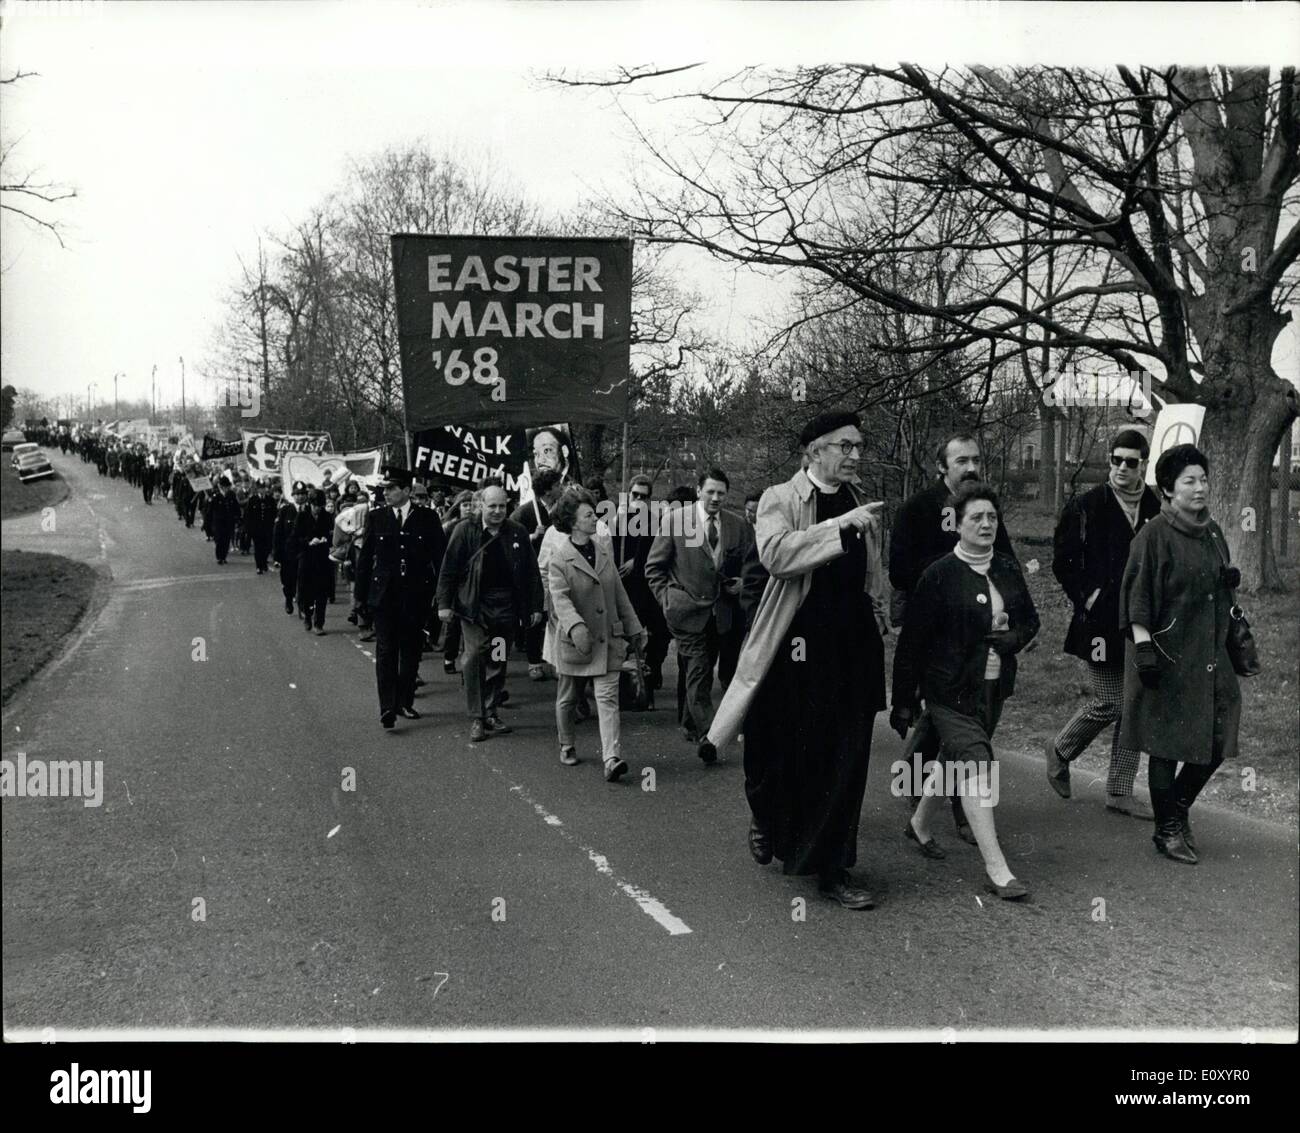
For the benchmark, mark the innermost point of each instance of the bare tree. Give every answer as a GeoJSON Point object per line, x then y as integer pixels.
{"type": "Point", "coordinates": [24, 192]}
{"type": "Point", "coordinates": [1164, 190]}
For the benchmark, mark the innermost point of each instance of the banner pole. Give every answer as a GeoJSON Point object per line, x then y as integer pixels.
{"type": "Point", "coordinates": [623, 489]}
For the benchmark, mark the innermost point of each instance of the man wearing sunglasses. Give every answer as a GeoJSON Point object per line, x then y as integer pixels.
{"type": "Point", "coordinates": [634, 535]}
{"type": "Point", "coordinates": [1091, 548]}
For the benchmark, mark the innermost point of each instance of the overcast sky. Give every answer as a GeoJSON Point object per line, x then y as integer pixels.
{"type": "Point", "coordinates": [188, 128]}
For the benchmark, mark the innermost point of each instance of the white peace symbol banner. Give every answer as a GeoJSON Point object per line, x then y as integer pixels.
{"type": "Point", "coordinates": [1175, 425]}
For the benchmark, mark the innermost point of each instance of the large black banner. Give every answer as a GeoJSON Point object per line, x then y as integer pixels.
{"type": "Point", "coordinates": [503, 331]}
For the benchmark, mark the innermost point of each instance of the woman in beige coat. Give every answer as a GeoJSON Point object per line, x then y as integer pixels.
{"type": "Point", "coordinates": [592, 617]}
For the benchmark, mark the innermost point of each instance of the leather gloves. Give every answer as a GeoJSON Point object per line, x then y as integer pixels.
{"type": "Point", "coordinates": [1147, 664]}
{"type": "Point", "coordinates": [900, 719]}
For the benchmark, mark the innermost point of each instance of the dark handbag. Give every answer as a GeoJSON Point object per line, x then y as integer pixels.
{"type": "Point", "coordinates": [634, 692]}
{"type": "Point", "coordinates": [1241, 642]}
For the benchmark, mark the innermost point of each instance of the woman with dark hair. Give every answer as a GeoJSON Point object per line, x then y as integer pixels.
{"type": "Point", "coordinates": [968, 617]}
{"type": "Point", "coordinates": [591, 616]}
{"type": "Point", "coordinates": [1181, 698]}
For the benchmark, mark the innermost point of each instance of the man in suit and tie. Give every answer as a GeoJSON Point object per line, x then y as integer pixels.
{"type": "Point", "coordinates": [705, 575]}
{"type": "Point", "coordinates": [401, 556]}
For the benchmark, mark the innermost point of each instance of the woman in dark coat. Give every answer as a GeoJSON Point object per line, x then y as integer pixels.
{"type": "Point", "coordinates": [968, 617]}
{"type": "Point", "coordinates": [1181, 698]}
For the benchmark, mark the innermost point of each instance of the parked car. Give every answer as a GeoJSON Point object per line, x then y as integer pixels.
{"type": "Point", "coordinates": [12, 437]}
{"type": "Point", "coordinates": [34, 465]}
{"type": "Point", "coordinates": [22, 450]}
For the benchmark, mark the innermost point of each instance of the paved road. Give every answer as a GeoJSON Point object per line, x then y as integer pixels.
{"type": "Point", "coordinates": [627, 908]}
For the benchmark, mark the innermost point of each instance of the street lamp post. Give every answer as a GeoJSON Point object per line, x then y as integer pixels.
{"type": "Point", "coordinates": [185, 422]}
{"type": "Point", "coordinates": [153, 394]}
{"type": "Point", "coordinates": [115, 377]}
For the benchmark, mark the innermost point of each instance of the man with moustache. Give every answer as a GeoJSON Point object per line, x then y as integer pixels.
{"type": "Point", "coordinates": [925, 530]}
{"type": "Point", "coordinates": [811, 675]}
{"type": "Point", "coordinates": [1091, 548]}
{"type": "Point", "coordinates": [400, 556]}
{"type": "Point", "coordinates": [491, 585]}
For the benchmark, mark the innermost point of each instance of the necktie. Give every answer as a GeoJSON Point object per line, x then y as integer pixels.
{"type": "Point", "coordinates": [713, 534]}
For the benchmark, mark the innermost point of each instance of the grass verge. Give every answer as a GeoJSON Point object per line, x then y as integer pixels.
{"type": "Point", "coordinates": [17, 498]}
{"type": "Point", "coordinates": [42, 599]}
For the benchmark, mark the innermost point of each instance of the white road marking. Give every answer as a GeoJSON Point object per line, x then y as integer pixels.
{"type": "Point", "coordinates": [648, 903]}
{"type": "Point", "coordinates": [655, 909]}
{"type": "Point", "coordinates": [173, 580]}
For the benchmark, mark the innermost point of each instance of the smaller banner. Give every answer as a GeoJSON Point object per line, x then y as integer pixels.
{"type": "Point", "coordinates": [214, 449]}
{"type": "Point", "coordinates": [463, 458]}
{"type": "Point", "coordinates": [1175, 425]}
{"type": "Point", "coordinates": [265, 449]}
{"type": "Point", "coordinates": [199, 480]}
{"type": "Point", "coordinates": [342, 466]}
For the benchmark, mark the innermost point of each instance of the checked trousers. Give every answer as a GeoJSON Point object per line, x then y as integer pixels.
{"type": "Point", "coordinates": [1099, 713]}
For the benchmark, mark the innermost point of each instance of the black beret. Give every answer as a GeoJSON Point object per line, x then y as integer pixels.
{"type": "Point", "coordinates": [825, 423]}
{"type": "Point", "coordinates": [316, 497]}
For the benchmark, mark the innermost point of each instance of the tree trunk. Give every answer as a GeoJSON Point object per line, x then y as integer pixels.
{"type": "Point", "coordinates": [1240, 440]}
{"type": "Point", "coordinates": [1284, 491]}
{"type": "Point", "coordinates": [1247, 408]}
{"type": "Point", "coordinates": [1046, 458]}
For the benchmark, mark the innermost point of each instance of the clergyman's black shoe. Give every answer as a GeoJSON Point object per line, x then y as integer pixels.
{"type": "Point", "coordinates": [760, 843]}
{"type": "Point", "coordinates": [388, 719]}
{"type": "Point", "coordinates": [841, 888]}
{"type": "Point", "coordinates": [408, 713]}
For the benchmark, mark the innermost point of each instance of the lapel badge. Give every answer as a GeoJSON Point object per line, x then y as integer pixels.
{"type": "Point", "coordinates": [981, 598]}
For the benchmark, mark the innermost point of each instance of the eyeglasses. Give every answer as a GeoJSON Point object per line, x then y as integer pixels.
{"type": "Point", "coordinates": [1126, 461]}
{"type": "Point", "coordinates": [640, 495]}
{"type": "Point", "coordinates": [848, 448]}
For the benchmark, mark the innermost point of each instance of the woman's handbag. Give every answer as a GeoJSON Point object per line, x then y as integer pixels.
{"type": "Point", "coordinates": [1241, 642]}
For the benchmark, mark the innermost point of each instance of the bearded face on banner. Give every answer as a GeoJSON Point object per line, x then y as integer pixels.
{"type": "Point", "coordinates": [550, 448]}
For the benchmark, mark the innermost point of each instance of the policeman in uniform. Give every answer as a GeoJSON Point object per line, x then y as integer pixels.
{"type": "Point", "coordinates": [401, 556]}
{"type": "Point", "coordinates": [259, 522]}
{"type": "Point", "coordinates": [223, 515]}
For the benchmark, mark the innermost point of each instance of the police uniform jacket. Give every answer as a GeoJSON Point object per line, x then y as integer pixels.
{"type": "Point", "coordinates": [402, 562]}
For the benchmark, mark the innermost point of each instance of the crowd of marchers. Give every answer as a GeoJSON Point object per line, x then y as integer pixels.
{"type": "Point", "coordinates": [786, 606]}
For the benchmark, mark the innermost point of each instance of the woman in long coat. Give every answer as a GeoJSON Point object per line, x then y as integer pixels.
{"type": "Point", "coordinates": [591, 617]}
{"type": "Point", "coordinates": [1181, 697]}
